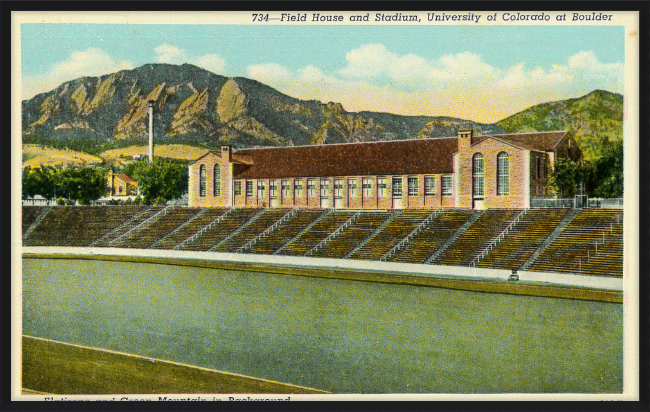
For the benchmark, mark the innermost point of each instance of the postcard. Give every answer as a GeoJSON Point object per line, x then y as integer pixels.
{"type": "Point", "coordinates": [297, 205]}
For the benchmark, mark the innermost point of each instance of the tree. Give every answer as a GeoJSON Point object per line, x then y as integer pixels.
{"type": "Point", "coordinates": [608, 171]}
{"type": "Point", "coordinates": [567, 176]}
{"type": "Point", "coordinates": [39, 181]}
{"type": "Point", "coordinates": [160, 181]}
{"type": "Point", "coordinates": [83, 183]}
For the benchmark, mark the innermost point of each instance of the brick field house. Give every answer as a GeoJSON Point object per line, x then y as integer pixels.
{"type": "Point", "coordinates": [464, 171]}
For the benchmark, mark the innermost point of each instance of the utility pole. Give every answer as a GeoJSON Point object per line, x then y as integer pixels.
{"type": "Point", "coordinates": [150, 160]}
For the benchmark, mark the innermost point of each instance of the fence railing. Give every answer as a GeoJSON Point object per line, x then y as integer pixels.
{"type": "Point", "coordinates": [334, 234]}
{"type": "Point", "coordinates": [410, 236]}
{"type": "Point", "coordinates": [205, 228]}
{"type": "Point", "coordinates": [270, 229]}
{"type": "Point", "coordinates": [496, 240]}
{"type": "Point", "coordinates": [573, 202]}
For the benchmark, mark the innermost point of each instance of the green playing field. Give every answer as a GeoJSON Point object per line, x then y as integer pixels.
{"type": "Point", "coordinates": [336, 335]}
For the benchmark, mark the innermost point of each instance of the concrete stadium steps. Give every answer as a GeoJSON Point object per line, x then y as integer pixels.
{"type": "Point", "coordinates": [263, 222]}
{"type": "Point", "coordinates": [347, 240]}
{"type": "Point", "coordinates": [152, 210]}
{"type": "Point", "coordinates": [190, 229]}
{"type": "Point", "coordinates": [316, 234]}
{"type": "Point", "coordinates": [285, 232]}
{"type": "Point", "coordinates": [608, 259]}
{"type": "Point", "coordinates": [432, 237]}
{"type": "Point", "coordinates": [234, 220]}
{"type": "Point", "coordinates": [523, 239]}
{"type": "Point", "coordinates": [141, 239]}
{"type": "Point", "coordinates": [392, 234]}
{"type": "Point", "coordinates": [78, 225]}
{"type": "Point", "coordinates": [476, 237]}
{"type": "Point", "coordinates": [591, 244]}
{"type": "Point", "coordinates": [30, 213]}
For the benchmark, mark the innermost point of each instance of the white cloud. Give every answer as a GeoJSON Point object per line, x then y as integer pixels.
{"type": "Point", "coordinates": [211, 62]}
{"type": "Point", "coordinates": [269, 73]}
{"type": "Point", "coordinates": [91, 62]}
{"type": "Point", "coordinates": [166, 53]}
{"type": "Point", "coordinates": [460, 85]}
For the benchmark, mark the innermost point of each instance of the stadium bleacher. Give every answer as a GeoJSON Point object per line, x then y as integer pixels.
{"type": "Point", "coordinates": [78, 225]}
{"type": "Point", "coordinates": [317, 233]}
{"type": "Point", "coordinates": [208, 215]}
{"type": "Point", "coordinates": [432, 237]}
{"type": "Point", "coordinates": [591, 243]}
{"type": "Point", "coordinates": [391, 235]}
{"type": "Point", "coordinates": [30, 214]}
{"type": "Point", "coordinates": [476, 237]}
{"type": "Point", "coordinates": [347, 240]}
{"type": "Point", "coordinates": [263, 222]}
{"type": "Point", "coordinates": [285, 232]}
{"type": "Point", "coordinates": [523, 239]}
{"type": "Point", "coordinates": [145, 237]}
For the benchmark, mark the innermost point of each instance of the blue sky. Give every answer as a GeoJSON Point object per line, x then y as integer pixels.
{"type": "Point", "coordinates": [482, 73]}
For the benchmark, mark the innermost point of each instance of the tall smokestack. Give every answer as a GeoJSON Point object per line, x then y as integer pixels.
{"type": "Point", "coordinates": [151, 131]}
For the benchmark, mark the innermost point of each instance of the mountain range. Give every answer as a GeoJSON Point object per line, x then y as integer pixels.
{"type": "Point", "coordinates": [198, 107]}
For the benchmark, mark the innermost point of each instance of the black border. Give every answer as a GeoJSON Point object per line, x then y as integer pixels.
{"type": "Point", "coordinates": [644, 196]}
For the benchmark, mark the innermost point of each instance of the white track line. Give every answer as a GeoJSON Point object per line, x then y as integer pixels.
{"type": "Point", "coordinates": [170, 362]}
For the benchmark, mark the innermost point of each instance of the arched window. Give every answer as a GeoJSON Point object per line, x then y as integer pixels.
{"type": "Point", "coordinates": [503, 174]}
{"type": "Point", "coordinates": [203, 181]}
{"type": "Point", "coordinates": [478, 174]}
{"type": "Point", "coordinates": [216, 180]}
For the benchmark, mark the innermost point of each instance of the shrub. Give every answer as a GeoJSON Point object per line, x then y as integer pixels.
{"type": "Point", "coordinates": [128, 201]}
{"type": "Point", "coordinates": [60, 201]}
{"type": "Point", "coordinates": [137, 200]}
{"type": "Point", "coordinates": [69, 202]}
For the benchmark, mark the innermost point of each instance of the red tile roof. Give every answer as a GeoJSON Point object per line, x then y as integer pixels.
{"type": "Point", "coordinates": [353, 159]}
{"type": "Point", "coordinates": [540, 141]}
{"type": "Point", "coordinates": [125, 178]}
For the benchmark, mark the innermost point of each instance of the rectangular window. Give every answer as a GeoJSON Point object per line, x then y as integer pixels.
{"type": "Point", "coordinates": [352, 188]}
{"type": "Point", "coordinates": [286, 188]}
{"type": "Point", "coordinates": [237, 188]}
{"type": "Point", "coordinates": [250, 188]}
{"type": "Point", "coordinates": [382, 186]}
{"type": "Point", "coordinates": [413, 186]}
{"type": "Point", "coordinates": [446, 186]}
{"type": "Point", "coordinates": [429, 185]}
{"type": "Point", "coordinates": [260, 189]}
{"type": "Point", "coordinates": [338, 188]}
{"type": "Point", "coordinates": [397, 188]}
{"type": "Point", "coordinates": [325, 190]}
{"type": "Point", "coordinates": [311, 187]}
{"type": "Point", "coordinates": [297, 188]}
{"type": "Point", "coordinates": [367, 187]}
{"type": "Point", "coordinates": [273, 187]}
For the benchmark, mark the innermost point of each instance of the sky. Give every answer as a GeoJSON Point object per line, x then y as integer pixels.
{"type": "Point", "coordinates": [479, 73]}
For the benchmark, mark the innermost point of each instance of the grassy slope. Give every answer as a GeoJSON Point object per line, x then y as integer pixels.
{"type": "Point", "coordinates": [37, 155]}
{"type": "Point", "coordinates": [74, 370]}
{"type": "Point", "coordinates": [170, 151]}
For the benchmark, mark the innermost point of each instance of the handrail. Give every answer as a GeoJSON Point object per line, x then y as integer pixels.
{"type": "Point", "coordinates": [203, 229]}
{"type": "Point", "coordinates": [141, 225]}
{"type": "Point", "coordinates": [332, 235]}
{"type": "Point", "coordinates": [238, 229]}
{"type": "Point", "coordinates": [411, 235]}
{"type": "Point", "coordinates": [374, 233]}
{"type": "Point", "coordinates": [37, 221]}
{"type": "Point", "coordinates": [120, 226]}
{"type": "Point", "coordinates": [268, 230]}
{"type": "Point", "coordinates": [179, 227]}
{"type": "Point", "coordinates": [494, 241]}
